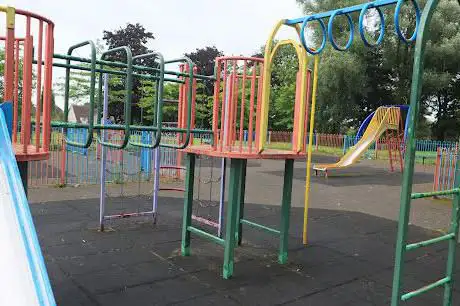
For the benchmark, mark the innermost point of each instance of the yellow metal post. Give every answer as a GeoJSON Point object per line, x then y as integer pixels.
{"type": "Point", "coordinates": [310, 146]}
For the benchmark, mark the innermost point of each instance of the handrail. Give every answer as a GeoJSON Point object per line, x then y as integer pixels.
{"type": "Point", "coordinates": [158, 99]}
{"type": "Point", "coordinates": [188, 62]}
{"type": "Point", "coordinates": [128, 98]}
{"type": "Point", "coordinates": [89, 138]}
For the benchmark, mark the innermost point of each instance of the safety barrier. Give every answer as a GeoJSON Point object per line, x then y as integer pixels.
{"type": "Point", "coordinates": [445, 169]}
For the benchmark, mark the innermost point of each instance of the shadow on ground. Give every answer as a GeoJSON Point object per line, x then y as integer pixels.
{"type": "Point", "coordinates": [349, 260]}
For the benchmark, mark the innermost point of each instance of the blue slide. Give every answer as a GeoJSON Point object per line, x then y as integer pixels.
{"type": "Point", "coordinates": [24, 280]}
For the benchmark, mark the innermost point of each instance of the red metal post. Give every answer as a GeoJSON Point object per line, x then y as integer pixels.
{"type": "Point", "coordinates": [223, 112]}
{"type": "Point", "coordinates": [48, 81]}
{"type": "Point", "coordinates": [215, 110]}
{"type": "Point", "coordinates": [39, 87]}
{"type": "Point", "coordinates": [259, 106]}
{"type": "Point", "coordinates": [9, 63]}
{"type": "Point", "coordinates": [251, 107]}
{"type": "Point", "coordinates": [243, 94]}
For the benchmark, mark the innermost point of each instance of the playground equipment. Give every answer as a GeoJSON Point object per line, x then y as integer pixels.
{"type": "Point", "coordinates": [28, 146]}
{"type": "Point", "coordinates": [445, 170]}
{"type": "Point", "coordinates": [238, 79]}
{"type": "Point", "coordinates": [232, 77]}
{"type": "Point", "coordinates": [24, 278]}
{"type": "Point", "coordinates": [384, 119]}
{"type": "Point", "coordinates": [420, 37]}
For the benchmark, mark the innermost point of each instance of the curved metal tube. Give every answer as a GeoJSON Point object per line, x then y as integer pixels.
{"type": "Point", "coordinates": [128, 98]}
{"type": "Point", "coordinates": [188, 133]}
{"type": "Point", "coordinates": [158, 98]}
{"type": "Point", "coordinates": [89, 138]}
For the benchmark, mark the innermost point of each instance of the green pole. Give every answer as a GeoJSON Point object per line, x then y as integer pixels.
{"type": "Point", "coordinates": [454, 227]}
{"type": "Point", "coordinates": [406, 190]}
{"type": "Point", "coordinates": [188, 204]}
{"type": "Point", "coordinates": [240, 214]}
{"type": "Point", "coordinates": [286, 210]}
{"type": "Point", "coordinates": [234, 196]}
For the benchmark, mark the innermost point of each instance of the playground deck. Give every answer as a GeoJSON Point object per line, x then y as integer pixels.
{"type": "Point", "coordinates": [349, 260]}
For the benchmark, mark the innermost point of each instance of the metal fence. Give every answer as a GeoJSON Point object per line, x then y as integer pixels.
{"type": "Point", "coordinates": [72, 165]}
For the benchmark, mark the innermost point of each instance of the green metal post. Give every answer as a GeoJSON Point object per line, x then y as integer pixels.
{"type": "Point", "coordinates": [239, 225]}
{"type": "Point", "coordinates": [286, 210]}
{"type": "Point", "coordinates": [23, 167]}
{"type": "Point", "coordinates": [406, 190]}
{"type": "Point", "coordinates": [188, 204]}
{"type": "Point", "coordinates": [234, 196]}
{"type": "Point", "coordinates": [454, 226]}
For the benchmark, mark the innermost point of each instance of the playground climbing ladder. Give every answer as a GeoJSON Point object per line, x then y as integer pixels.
{"type": "Point", "coordinates": [420, 36]}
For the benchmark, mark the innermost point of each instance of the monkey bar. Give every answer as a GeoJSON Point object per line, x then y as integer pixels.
{"type": "Point", "coordinates": [186, 77]}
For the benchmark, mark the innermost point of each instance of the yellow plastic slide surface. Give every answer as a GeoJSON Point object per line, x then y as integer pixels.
{"type": "Point", "coordinates": [385, 118]}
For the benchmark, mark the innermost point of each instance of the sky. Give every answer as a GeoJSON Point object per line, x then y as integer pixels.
{"type": "Point", "coordinates": [236, 27]}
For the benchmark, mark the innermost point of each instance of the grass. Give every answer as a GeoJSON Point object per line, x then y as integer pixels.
{"type": "Point", "coordinates": [421, 157]}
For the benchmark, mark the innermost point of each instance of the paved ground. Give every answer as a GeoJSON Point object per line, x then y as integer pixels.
{"type": "Point", "coordinates": [349, 260]}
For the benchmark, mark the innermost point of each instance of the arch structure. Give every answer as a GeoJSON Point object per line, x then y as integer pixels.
{"type": "Point", "coordinates": [420, 37]}
{"type": "Point", "coordinates": [303, 85]}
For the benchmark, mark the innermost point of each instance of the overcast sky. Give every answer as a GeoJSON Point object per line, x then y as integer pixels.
{"type": "Point", "coordinates": [233, 26]}
{"type": "Point", "coordinates": [236, 27]}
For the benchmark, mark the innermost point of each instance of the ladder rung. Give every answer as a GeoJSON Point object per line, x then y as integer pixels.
{"type": "Point", "coordinates": [434, 193]}
{"type": "Point", "coordinates": [424, 243]}
{"type": "Point", "coordinates": [426, 288]}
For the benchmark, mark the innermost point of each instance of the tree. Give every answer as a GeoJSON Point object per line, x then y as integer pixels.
{"type": "Point", "coordinates": [204, 59]}
{"type": "Point", "coordinates": [355, 82]}
{"type": "Point", "coordinates": [136, 37]}
{"type": "Point", "coordinates": [148, 102]}
{"type": "Point", "coordinates": [79, 82]}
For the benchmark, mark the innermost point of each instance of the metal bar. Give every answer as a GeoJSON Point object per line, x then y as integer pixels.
{"type": "Point", "coordinates": [343, 11]}
{"type": "Point", "coordinates": [236, 169]}
{"type": "Point", "coordinates": [408, 174]}
{"type": "Point", "coordinates": [118, 127]}
{"type": "Point", "coordinates": [242, 111]}
{"type": "Point", "coordinates": [135, 67]}
{"type": "Point", "coordinates": [240, 214]}
{"type": "Point", "coordinates": [103, 155]}
{"type": "Point", "coordinates": [261, 227]}
{"type": "Point", "coordinates": [251, 108]}
{"type": "Point", "coordinates": [424, 289]}
{"type": "Point", "coordinates": [286, 210]}
{"type": "Point", "coordinates": [454, 227]}
{"type": "Point", "coordinates": [215, 110]}
{"type": "Point", "coordinates": [128, 215]}
{"type": "Point", "coordinates": [114, 72]}
{"type": "Point", "coordinates": [224, 104]}
{"type": "Point", "coordinates": [434, 193]}
{"type": "Point", "coordinates": [15, 92]}
{"type": "Point", "coordinates": [222, 195]}
{"type": "Point", "coordinates": [89, 139]}
{"type": "Point", "coordinates": [428, 242]}
{"type": "Point", "coordinates": [205, 221]}
{"type": "Point", "coordinates": [206, 235]}
{"type": "Point", "coordinates": [39, 87]}
{"type": "Point", "coordinates": [47, 86]}
{"type": "Point", "coordinates": [188, 204]}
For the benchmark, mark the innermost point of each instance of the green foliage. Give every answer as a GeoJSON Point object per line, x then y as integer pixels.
{"type": "Point", "coordinates": [148, 101]}
{"type": "Point", "coordinates": [136, 37]}
{"type": "Point", "coordinates": [204, 59]}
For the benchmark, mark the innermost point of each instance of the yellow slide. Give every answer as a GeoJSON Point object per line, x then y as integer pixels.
{"type": "Point", "coordinates": [385, 118]}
